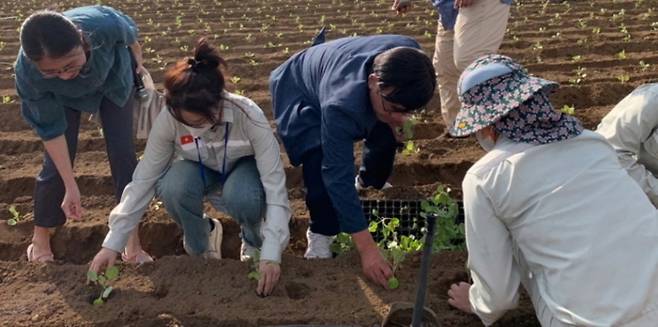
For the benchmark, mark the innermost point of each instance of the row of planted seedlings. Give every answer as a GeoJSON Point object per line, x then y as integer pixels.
{"type": "Point", "coordinates": [398, 237]}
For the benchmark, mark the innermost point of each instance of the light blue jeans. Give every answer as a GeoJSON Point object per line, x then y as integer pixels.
{"type": "Point", "coordinates": [242, 197]}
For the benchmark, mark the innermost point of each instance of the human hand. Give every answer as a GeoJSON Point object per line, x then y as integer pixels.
{"type": "Point", "coordinates": [375, 267]}
{"type": "Point", "coordinates": [71, 203]}
{"type": "Point", "coordinates": [458, 296]}
{"type": "Point", "coordinates": [103, 259]}
{"type": "Point", "coordinates": [269, 276]}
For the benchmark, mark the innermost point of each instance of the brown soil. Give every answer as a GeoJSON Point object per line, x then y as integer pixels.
{"type": "Point", "coordinates": [178, 290]}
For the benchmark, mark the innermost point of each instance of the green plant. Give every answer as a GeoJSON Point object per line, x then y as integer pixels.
{"type": "Point", "coordinates": [644, 66]}
{"type": "Point", "coordinates": [568, 109]}
{"type": "Point", "coordinates": [449, 235]}
{"type": "Point", "coordinates": [16, 216]}
{"type": "Point", "coordinates": [342, 244]}
{"type": "Point", "coordinates": [623, 78]}
{"type": "Point", "coordinates": [580, 75]}
{"type": "Point", "coordinates": [103, 279]}
{"type": "Point", "coordinates": [254, 271]}
{"type": "Point", "coordinates": [621, 55]}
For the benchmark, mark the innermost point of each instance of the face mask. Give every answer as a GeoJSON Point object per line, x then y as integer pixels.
{"type": "Point", "coordinates": [486, 143]}
{"type": "Point", "coordinates": [196, 132]}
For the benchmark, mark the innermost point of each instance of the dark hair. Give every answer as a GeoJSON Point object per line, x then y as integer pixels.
{"type": "Point", "coordinates": [411, 74]}
{"type": "Point", "coordinates": [196, 84]}
{"type": "Point", "coordinates": [50, 34]}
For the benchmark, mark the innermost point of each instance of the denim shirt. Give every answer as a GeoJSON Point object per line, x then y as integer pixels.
{"type": "Point", "coordinates": [448, 12]}
{"type": "Point", "coordinates": [320, 99]}
{"type": "Point", "coordinates": [107, 73]}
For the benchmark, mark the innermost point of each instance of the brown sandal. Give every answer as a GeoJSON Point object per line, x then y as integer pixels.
{"type": "Point", "coordinates": [42, 258]}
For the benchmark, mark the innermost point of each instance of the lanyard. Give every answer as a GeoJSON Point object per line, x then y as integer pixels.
{"type": "Point", "coordinates": [222, 174]}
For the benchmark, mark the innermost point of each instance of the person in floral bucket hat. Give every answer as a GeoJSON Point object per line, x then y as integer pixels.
{"type": "Point", "coordinates": [549, 207]}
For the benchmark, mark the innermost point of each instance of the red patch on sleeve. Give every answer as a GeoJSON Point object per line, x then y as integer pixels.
{"type": "Point", "coordinates": [186, 139]}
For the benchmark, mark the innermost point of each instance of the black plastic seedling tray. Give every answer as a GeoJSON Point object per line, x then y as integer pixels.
{"type": "Point", "coordinates": [408, 211]}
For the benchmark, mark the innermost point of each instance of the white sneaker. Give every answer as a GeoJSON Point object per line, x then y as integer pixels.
{"type": "Point", "coordinates": [358, 184]}
{"type": "Point", "coordinates": [214, 241]}
{"type": "Point", "coordinates": [319, 246]}
{"type": "Point", "coordinates": [247, 252]}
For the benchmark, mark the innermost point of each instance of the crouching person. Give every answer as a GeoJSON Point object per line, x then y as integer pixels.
{"type": "Point", "coordinates": [549, 207]}
{"type": "Point", "coordinates": [214, 144]}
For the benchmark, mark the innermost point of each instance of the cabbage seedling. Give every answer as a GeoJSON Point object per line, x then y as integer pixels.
{"type": "Point", "coordinates": [103, 279]}
{"type": "Point", "coordinates": [16, 216]}
{"type": "Point", "coordinates": [254, 272]}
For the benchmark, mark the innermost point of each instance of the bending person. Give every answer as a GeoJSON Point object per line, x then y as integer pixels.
{"type": "Point", "coordinates": [331, 95]}
{"type": "Point", "coordinates": [214, 144]}
{"type": "Point", "coordinates": [69, 63]}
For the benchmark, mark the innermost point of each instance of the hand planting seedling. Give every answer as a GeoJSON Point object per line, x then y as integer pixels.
{"type": "Point", "coordinates": [103, 279]}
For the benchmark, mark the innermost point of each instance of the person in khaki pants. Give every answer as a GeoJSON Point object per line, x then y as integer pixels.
{"type": "Point", "coordinates": [467, 30]}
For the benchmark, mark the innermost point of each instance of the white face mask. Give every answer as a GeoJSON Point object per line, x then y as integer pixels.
{"type": "Point", "coordinates": [486, 143]}
{"type": "Point", "coordinates": [196, 132]}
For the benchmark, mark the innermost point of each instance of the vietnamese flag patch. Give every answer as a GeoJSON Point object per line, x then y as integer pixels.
{"type": "Point", "coordinates": [186, 139]}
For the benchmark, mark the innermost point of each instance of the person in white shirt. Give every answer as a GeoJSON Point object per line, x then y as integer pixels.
{"type": "Point", "coordinates": [631, 128]}
{"type": "Point", "coordinates": [549, 207]}
{"type": "Point", "coordinates": [214, 144]}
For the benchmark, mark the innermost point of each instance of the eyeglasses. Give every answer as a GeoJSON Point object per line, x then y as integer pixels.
{"type": "Point", "coordinates": [65, 70]}
{"type": "Point", "coordinates": [392, 106]}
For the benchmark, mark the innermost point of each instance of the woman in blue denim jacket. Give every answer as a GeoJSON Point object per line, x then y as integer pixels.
{"type": "Point", "coordinates": [73, 62]}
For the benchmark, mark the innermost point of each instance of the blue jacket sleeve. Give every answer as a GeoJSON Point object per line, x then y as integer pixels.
{"type": "Point", "coordinates": [338, 133]}
{"type": "Point", "coordinates": [40, 109]}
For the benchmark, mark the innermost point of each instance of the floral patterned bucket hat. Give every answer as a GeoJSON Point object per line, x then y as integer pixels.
{"type": "Point", "coordinates": [490, 88]}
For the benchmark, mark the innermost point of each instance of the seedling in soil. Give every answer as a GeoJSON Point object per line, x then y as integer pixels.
{"type": "Point", "coordinates": [621, 55]}
{"type": "Point", "coordinates": [103, 280]}
{"type": "Point", "coordinates": [580, 76]}
{"type": "Point", "coordinates": [623, 78]}
{"type": "Point", "coordinates": [644, 66]}
{"type": "Point", "coordinates": [569, 110]}
{"type": "Point", "coordinates": [16, 216]}
{"type": "Point", "coordinates": [254, 269]}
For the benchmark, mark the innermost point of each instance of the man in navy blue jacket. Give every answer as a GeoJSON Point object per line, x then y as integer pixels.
{"type": "Point", "coordinates": [331, 95]}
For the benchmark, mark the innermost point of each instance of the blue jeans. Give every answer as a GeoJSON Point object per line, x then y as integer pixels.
{"type": "Point", "coordinates": [377, 165]}
{"type": "Point", "coordinates": [242, 197]}
{"type": "Point", "coordinates": [117, 125]}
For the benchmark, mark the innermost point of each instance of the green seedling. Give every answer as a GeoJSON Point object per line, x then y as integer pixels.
{"type": "Point", "coordinates": [254, 269]}
{"type": "Point", "coordinates": [623, 78]}
{"type": "Point", "coordinates": [103, 279]}
{"type": "Point", "coordinates": [644, 66]}
{"type": "Point", "coordinates": [621, 55]}
{"type": "Point", "coordinates": [568, 109]}
{"type": "Point", "coordinates": [342, 244]}
{"type": "Point", "coordinates": [16, 216]}
{"type": "Point", "coordinates": [580, 76]}
{"type": "Point", "coordinates": [449, 235]}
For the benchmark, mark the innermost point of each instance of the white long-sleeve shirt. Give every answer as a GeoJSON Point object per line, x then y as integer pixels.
{"type": "Point", "coordinates": [249, 134]}
{"type": "Point", "coordinates": [568, 219]}
{"type": "Point", "coordinates": [631, 128]}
